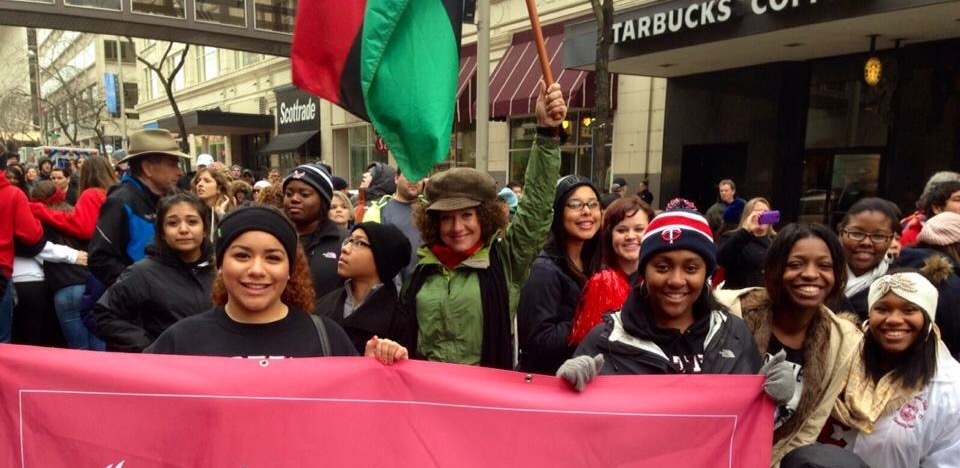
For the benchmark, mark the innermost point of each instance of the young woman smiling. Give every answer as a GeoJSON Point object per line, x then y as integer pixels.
{"type": "Point", "coordinates": [624, 224]}
{"type": "Point", "coordinates": [669, 324]}
{"type": "Point", "coordinates": [262, 296]}
{"type": "Point", "coordinates": [804, 270]}
{"type": "Point", "coordinates": [902, 397]}
{"type": "Point", "coordinates": [172, 283]}
{"type": "Point", "coordinates": [570, 257]}
{"type": "Point", "coordinates": [866, 232]}
{"type": "Point", "coordinates": [463, 293]}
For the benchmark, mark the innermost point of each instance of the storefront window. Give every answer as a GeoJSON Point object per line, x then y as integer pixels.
{"type": "Point", "coordinates": [463, 148]}
{"type": "Point", "coordinates": [832, 182]}
{"type": "Point", "coordinates": [363, 152]}
{"type": "Point", "coordinates": [845, 114]}
{"type": "Point", "coordinates": [576, 155]}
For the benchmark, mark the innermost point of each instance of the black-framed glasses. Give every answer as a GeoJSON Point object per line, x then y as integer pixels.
{"type": "Point", "coordinates": [578, 205]}
{"type": "Point", "coordinates": [356, 242]}
{"type": "Point", "coordinates": [875, 238]}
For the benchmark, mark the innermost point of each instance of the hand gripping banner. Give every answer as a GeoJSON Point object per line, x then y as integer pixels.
{"type": "Point", "coordinates": [63, 408]}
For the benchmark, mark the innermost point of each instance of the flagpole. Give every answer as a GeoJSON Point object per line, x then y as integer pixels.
{"type": "Point", "coordinates": [482, 162]}
{"type": "Point", "coordinates": [538, 38]}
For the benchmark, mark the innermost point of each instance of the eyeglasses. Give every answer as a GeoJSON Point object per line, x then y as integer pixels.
{"type": "Point", "coordinates": [578, 205]}
{"type": "Point", "coordinates": [356, 243]}
{"type": "Point", "coordinates": [875, 238]}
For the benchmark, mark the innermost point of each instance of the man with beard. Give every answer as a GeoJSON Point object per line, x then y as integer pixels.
{"type": "Point", "coordinates": [397, 209]}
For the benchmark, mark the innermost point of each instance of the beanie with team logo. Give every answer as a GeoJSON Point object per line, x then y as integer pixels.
{"type": "Point", "coordinates": [679, 230]}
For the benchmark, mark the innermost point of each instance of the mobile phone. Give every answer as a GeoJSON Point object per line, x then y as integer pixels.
{"type": "Point", "coordinates": [769, 217]}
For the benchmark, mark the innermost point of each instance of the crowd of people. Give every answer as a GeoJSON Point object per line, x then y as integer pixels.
{"type": "Point", "coordinates": [855, 327]}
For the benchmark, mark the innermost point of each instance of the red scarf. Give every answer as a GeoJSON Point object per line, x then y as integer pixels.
{"type": "Point", "coordinates": [451, 259]}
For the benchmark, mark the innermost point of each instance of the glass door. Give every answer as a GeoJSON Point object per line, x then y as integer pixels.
{"type": "Point", "coordinates": [834, 180]}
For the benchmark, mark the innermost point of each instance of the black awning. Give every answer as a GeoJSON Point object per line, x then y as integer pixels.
{"type": "Point", "coordinates": [216, 122]}
{"type": "Point", "coordinates": [287, 142]}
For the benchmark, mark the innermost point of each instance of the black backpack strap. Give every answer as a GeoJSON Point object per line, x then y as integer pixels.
{"type": "Point", "coordinates": [322, 334]}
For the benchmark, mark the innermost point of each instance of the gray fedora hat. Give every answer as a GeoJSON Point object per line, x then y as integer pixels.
{"type": "Point", "coordinates": [152, 141]}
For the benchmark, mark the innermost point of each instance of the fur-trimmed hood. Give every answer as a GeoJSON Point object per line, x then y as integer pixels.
{"type": "Point", "coordinates": [830, 347]}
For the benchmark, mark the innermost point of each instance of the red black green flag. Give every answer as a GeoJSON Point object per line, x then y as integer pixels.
{"type": "Point", "coordinates": [392, 62]}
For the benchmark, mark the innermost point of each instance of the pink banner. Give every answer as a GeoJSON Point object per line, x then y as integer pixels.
{"type": "Point", "coordinates": [86, 409]}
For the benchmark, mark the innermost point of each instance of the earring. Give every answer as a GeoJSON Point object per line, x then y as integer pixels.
{"type": "Point", "coordinates": [865, 325]}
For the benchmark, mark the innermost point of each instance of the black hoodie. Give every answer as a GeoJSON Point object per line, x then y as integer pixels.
{"type": "Point", "coordinates": [151, 295]}
{"type": "Point", "coordinates": [382, 181]}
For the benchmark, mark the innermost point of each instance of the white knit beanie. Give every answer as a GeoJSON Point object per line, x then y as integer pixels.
{"type": "Point", "coordinates": [910, 286]}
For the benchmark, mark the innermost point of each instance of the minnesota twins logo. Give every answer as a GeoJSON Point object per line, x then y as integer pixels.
{"type": "Point", "coordinates": [671, 235]}
{"type": "Point", "coordinates": [297, 175]}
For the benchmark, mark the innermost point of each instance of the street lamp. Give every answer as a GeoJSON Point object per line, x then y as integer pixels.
{"type": "Point", "coordinates": [34, 64]}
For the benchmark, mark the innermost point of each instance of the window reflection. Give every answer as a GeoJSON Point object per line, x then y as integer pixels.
{"type": "Point", "coordinates": [228, 12]}
{"type": "Point", "coordinates": [169, 8]}
{"type": "Point", "coordinates": [275, 15]}
{"type": "Point", "coordinates": [104, 4]}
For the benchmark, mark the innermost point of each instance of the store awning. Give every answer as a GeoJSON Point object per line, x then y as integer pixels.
{"type": "Point", "coordinates": [217, 122]}
{"type": "Point", "coordinates": [287, 142]}
{"type": "Point", "coordinates": [467, 85]}
{"type": "Point", "coordinates": [514, 84]}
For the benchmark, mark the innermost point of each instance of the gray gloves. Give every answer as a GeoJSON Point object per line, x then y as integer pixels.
{"type": "Point", "coordinates": [579, 371]}
{"type": "Point", "coordinates": [780, 383]}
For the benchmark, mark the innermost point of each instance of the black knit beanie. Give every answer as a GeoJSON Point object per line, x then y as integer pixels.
{"type": "Point", "coordinates": [566, 185]}
{"type": "Point", "coordinates": [391, 249]}
{"type": "Point", "coordinates": [256, 218]}
{"type": "Point", "coordinates": [314, 176]}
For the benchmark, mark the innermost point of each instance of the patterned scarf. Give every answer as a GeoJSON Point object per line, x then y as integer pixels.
{"type": "Point", "coordinates": [864, 401]}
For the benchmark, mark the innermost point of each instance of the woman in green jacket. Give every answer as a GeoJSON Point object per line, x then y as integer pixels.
{"type": "Point", "coordinates": [463, 293]}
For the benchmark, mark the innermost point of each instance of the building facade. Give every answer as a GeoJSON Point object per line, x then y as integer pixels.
{"type": "Point", "coordinates": [221, 91]}
{"type": "Point", "coordinates": [813, 105]}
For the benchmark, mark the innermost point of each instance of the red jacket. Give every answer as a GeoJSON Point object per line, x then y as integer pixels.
{"type": "Point", "coordinates": [17, 224]}
{"type": "Point", "coordinates": [78, 223]}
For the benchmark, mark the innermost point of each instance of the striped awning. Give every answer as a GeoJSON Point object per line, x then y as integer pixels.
{"type": "Point", "coordinates": [513, 85]}
{"type": "Point", "coordinates": [467, 85]}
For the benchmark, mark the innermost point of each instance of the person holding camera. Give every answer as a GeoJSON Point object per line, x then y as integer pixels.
{"type": "Point", "coordinates": [741, 252]}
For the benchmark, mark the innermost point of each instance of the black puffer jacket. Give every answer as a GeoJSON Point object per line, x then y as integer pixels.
{"type": "Point", "coordinates": [380, 314]}
{"type": "Point", "coordinates": [944, 273]}
{"type": "Point", "coordinates": [151, 295]}
{"type": "Point", "coordinates": [730, 350]}
{"type": "Point", "coordinates": [742, 255]}
{"type": "Point", "coordinates": [545, 315]}
{"type": "Point", "coordinates": [323, 250]}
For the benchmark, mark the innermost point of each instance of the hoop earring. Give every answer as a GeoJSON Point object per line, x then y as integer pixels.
{"type": "Point", "coordinates": [865, 325]}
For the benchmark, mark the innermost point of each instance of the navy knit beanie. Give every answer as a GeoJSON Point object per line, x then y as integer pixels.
{"type": "Point", "coordinates": [679, 230]}
{"type": "Point", "coordinates": [314, 176]}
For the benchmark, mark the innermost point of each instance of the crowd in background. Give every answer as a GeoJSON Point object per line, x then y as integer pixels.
{"type": "Point", "coordinates": [856, 327]}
